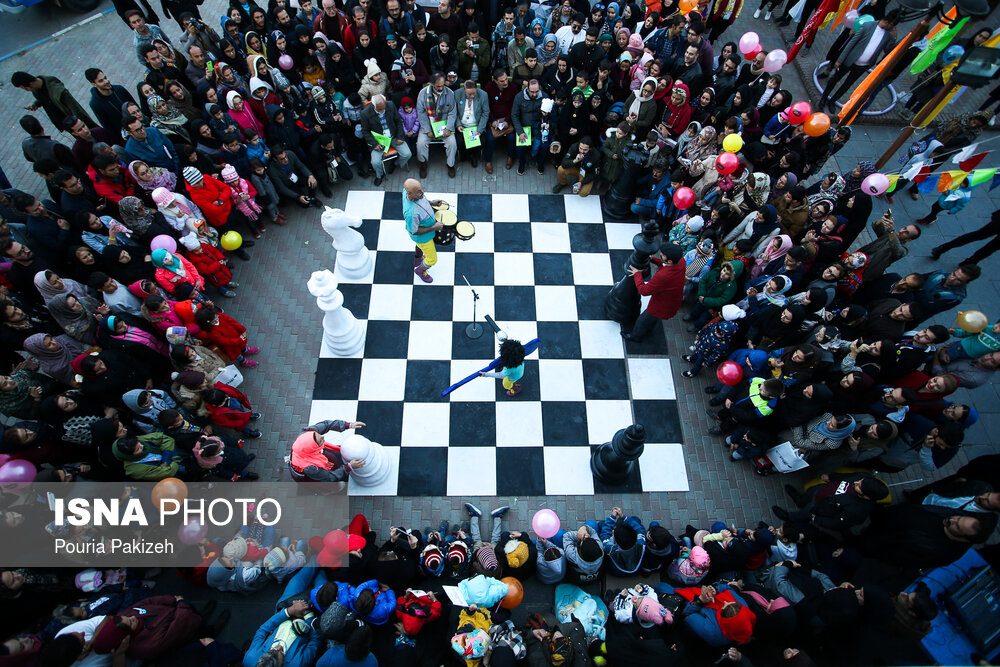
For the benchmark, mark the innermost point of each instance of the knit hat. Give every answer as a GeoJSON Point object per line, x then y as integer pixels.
{"type": "Point", "coordinates": [517, 553]}
{"type": "Point", "coordinates": [190, 241]}
{"type": "Point", "coordinates": [317, 92]}
{"type": "Point", "coordinates": [275, 559]}
{"type": "Point", "coordinates": [236, 548]}
{"type": "Point", "coordinates": [696, 223]}
{"type": "Point", "coordinates": [590, 550]}
{"type": "Point", "coordinates": [470, 645]}
{"type": "Point", "coordinates": [874, 488]}
{"type": "Point", "coordinates": [699, 557]}
{"type": "Point", "coordinates": [372, 68]}
{"type": "Point", "coordinates": [625, 57]}
{"type": "Point", "coordinates": [650, 612]}
{"type": "Point", "coordinates": [406, 101]}
{"type": "Point", "coordinates": [228, 173]}
{"type": "Point", "coordinates": [333, 620]}
{"type": "Point", "coordinates": [192, 176]}
{"type": "Point", "coordinates": [431, 560]}
{"type": "Point", "coordinates": [487, 559]}
{"type": "Point", "coordinates": [732, 312]}
{"type": "Point", "coordinates": [162, 197]}
{"type": "Point", "coordinates": [457, 554]}
{"type": "Point", "coordinates": [190, 379]}
{"type": "Point", "coordinates": [547, 104]}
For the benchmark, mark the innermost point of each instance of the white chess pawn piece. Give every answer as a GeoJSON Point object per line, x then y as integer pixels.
{"type": "Point", "coordinates": [354, 261]}
{"type": "Point", "coordinates": [378, 467]}
{"type": "Point", "coordinates": [343, 334]}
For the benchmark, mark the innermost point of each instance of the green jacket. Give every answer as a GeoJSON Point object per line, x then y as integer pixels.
{"type": "Point", "coordinates": [718, 293]}
{"type": "Point", "coordinates": [613, 168]}
{"type": "Point", "coordinates": [65, 101]}
{"type": "Point", "coordinates": [146, 465]}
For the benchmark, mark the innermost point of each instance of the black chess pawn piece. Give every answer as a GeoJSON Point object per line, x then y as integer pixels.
{"type": "Point", "coordinates": [614, 461]}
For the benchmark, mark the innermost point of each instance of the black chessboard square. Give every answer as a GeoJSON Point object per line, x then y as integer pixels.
{"type": "Point", "coordinates": [423, 471]}
{"type": "Point", "coordinates": [654, 344]}
{"type": "Point", "coordinates": [357, 298]}
{"type": "Point", "coordinates": [520, 471]}
{"type": "Point", "coordinates": [605, 379]}
{"type": "Point", "coordinates": [632, 484]}
{"type": "Point", "coordinates": [547, 208]}
{"type": "Point", "coordinates": [585, 237]}
{"type": "Point", "coordinates": [475, 208]}
{"type": "Point", "coordinates": [392, 207]}
{"type": "Point", "coordinates": [386, 339]}
{"type": "Point", "coordinates": [337, 379]}
{"type": "Point", "coordinates": [426, 379]}
{"type": "Point", "coordinates": [530, 387]}
{"type": "Point", "coordinates": [560, 340]}
{"type": "Point", "coordinates": [564, 423]}
{"type": "Point", "coordinates": [473, 423]}
{"type": "Point", "coordinates": [394, 268]}
{"type": "Point", "coordinates": [514, 303]}
{"type": "Point", "coordinates": [553, 268]}
{"type": "Point", "coordinates": [660, 419]}
{"type": "Point", "coordinates": [477, 267]}
{"type": "Point", "coordinates": [512, 237]}
{"type": "Point", "coordinates": [369, 230]}
{"type": "Point", "coordinates": [463, 347]}
{"type": "Point", "coordinates": [383, 421]}
{"type": "Point", "coordinates": [619, 262]}
{"type": "Point", "coordinates": [432, 303]}
{"type": "Point", "coordinates": [590, 301]}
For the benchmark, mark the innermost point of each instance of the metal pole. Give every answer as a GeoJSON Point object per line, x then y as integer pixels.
{"type": "Point", "coordinates": [908, 131]}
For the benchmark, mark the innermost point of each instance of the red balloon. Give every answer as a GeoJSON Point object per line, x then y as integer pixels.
{"type": "Point", "coordinates": [753, 54]}
{"type": "Point", "coordinates": [729, 373]}
{"type": "Point", "coordinates": [726, 163]}
{"type": "Point", "coordinates": [684, 198]}
{"type": "Point", "coordinates": [799, 113]}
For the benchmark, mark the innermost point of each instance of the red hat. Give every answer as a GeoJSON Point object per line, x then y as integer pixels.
{"type": "Point", "coordinates": [406, 100]}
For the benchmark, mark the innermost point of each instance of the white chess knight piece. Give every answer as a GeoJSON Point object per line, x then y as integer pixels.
{"type": "Point", "coordinates": [343, 335]}
{"type": "Point", "coordinates": [378, 467]}
{"type": "Point", "coordinates": [354, 262]}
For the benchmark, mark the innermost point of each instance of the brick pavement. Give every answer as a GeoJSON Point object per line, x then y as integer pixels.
{"type": "Point", "coordinates": [282, 317]}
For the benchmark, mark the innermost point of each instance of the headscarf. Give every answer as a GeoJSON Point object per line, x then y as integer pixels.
{"type": "Point", "coordinates": [791, 180]}
{"type": "Point", "coordinates": [162, 178]}
{"type": "Point", "coordinates": [306, 452]}
{"type": "Point", "coordinates": [135, 269]}
{"type": "Point", "coordinates": [835, 434]}
{"type": "Point", "coordinates": [160, 401]}
{"type": "Point", "coordinates": [761, 229]}
{"type": "Point", "coordinates": [250, 51]}
{"type": "Point", "coordinates": [49, 292]}
{"type": "Point", "coordinates": [961, 125]}
{"type": "Point", "coordinates": [81, 326]}
{"type": "Point", "coordinates": [760, 188]}
{"type": "Point", "coordinates": [831, 193]}
{"type": "Point", "coordinates": [702, 145]}
{"type": "Point", "coordinates": [129, 209]}
{"type": "Point", "coordinates": [683, 139]}
{"type": "Point", "coordinates": [770, 254]}
{"type": "Point", "coordinates": [172, 121]}
{"type": "Point", "coordinates": [777, 298]}
{"type": "Point", "coordinates": [640, 98]}
{"type": "Point", "coordinates": [161, 254]}
{"type": "Point", "coordinates": [852, 182]}
{"type": "Point", "coordinates": [545, 57]}
{"type": "Point", "coordinates": [185, 106]}
{"type": "Point", "coordinates": [676, 117]}
{"type": "Point", "coordinates": [55, 362]}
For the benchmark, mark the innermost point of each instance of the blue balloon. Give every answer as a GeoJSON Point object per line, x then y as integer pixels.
{"type": "Point", "coordinates": [863, 19]}
{"type": "Point", "coordinates": [952, 53]}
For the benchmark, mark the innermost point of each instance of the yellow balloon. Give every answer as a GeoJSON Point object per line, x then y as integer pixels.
{"type": "Point", "coordinates": [972, 321]}
{"type": "Point", "coordinates": [231, 240]}
{"type": "Point", "coordinates": [733, 143]}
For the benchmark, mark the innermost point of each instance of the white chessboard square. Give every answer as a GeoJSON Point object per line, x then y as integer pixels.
{"type": "Point", "coordinates": [601, 339]}
{"type": "Point", "coordinates": [392, 236]}
{"type": "Point", "coordinates": [550, 237]}
{"type": "Point", "coordinates": [518, 330]}
{"type": "Point", "coordinates": [661, 468]}
{"type": "Point", "coordinates": [567, 471]}
{"type": "Point", "coordinates": [365, 204]}
{"type": "Point", "coordinates": [472, 471]}
{"type": "Point", "coordinates": [592, 268]}
{"type": "Point", "coordinates": [382, 380]}
{"type": "Point", "coordinates": [390, 302]}
{"type": "Point", "coordinates": [583, 209]}
{"type": "Point", "coordinates": [425, 425]}
{"type": "Point", "coordinates": [479, 389]}
{"type": "Point", "coordinates": [620, 234]}
{"type": "Point", "coordinates": [513, 268]}
{"type": "Point", "coordinates": [561, 379]}
{"type": "Point", "coordinates": [429, 340]}
{"type": "Point", "coordinates": [461, 305]}
{"type": "Point", "coordinates": [510, 208]}
{"type": "Point", "coordinates": [322, 410]}
{"type": "Point", "coordinates": [481, 242]}
{"type": "Point", "coordinates": [555, 303]}
{"type": "Point", "coordinates": [326, 353]}
{"type": "Point", "coordinates": [386, 488]}
{"type": "Point", "coordinates": [519, 423]}
{"type": "Point", "coordinates": [443, 272]}
{"type": "Point", "coordinates": [605, 418]}
{"type": "Point", "coordinates": [651, 379]}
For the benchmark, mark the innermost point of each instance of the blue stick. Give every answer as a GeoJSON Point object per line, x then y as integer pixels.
{"type": "Point", "coordinates": [529, 347]}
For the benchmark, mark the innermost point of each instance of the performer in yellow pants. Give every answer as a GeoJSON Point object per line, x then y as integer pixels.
{"type": "Point", "coordinates": [418, 213]}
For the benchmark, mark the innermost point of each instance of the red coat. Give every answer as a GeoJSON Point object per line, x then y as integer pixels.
{"type": "Point", "coordinates": [415, 611]}
{"type": "Point", "coordinates": [665, 289]}
{"type": "Point", "coordinates": [229, 336]}
{"type": "Point", "coordinates": [184, 312]}
{"type": "Point", "coordinates": [209, 264]}
{"type": "Point", "coordinates": [167, 624]}
{"type": "Point", "coordinates": [205, 197]}
{"type": "Point", "coordinates": [114, 191]}
{"type": "Point", "coordinates": [227, 417]}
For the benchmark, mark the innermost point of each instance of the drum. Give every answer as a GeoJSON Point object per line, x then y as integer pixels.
{"type": "Point", "coordinates": [446, 217]}
{"type": "Point", "coordinates": [465, 230]}
{"type": "Point", "coordinates": [443, 206]}
{"type": "Point", "coordinates": [446, 235]}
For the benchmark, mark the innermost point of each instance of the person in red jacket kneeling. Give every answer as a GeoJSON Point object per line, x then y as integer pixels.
{"type": "Point", "coordinates": [230, 408]}
{"type": "Point", "coordinates": [665, 289]}
{"type": "Point", "coordinates": [227, 334]}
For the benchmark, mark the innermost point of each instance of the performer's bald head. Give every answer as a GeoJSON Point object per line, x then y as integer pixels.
{"type": "Point", "coordinates": [414, 190]}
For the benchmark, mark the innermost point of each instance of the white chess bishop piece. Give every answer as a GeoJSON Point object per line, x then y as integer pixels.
{"type": "Point", "coordinates": [343, 335]}
{"type": "Point", "coordinates": [378, 467]}
{"type": "Point", "coordinates": [354, 261]}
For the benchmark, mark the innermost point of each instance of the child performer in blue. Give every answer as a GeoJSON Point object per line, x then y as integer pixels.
{"type": "Point", "coordinates": [511, 366]}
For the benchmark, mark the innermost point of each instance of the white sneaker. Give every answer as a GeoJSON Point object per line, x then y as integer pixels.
{"type": "Point", "coordinates": [756, 14]}
{"type": "Point", "coordinates": [767, 17]}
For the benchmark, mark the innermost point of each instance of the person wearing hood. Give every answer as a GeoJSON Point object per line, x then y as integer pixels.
{"type": "Point", "coordinates": [715, 290]}
{"type": "Point", "coordinates": [685, 234]}
{"type": "Point", "coordinates": [839, 506]}
{"type": "Point", "coordinates": [665, 289]}
{"type": "Point", "coordinates": [243, 113]}
{"type": "Point", "coordinates": [550, 564]}
{"type": "Point", "coordinates": [518, 552]}
{"type": "Point", "coordinates": [640, 107]}
{"type": "Point", "coordinates": [408, 75]}
{"type": "Point", "coordinates": [374, 83]}
{"type": "Point", "coordinates": [793, 210]}
{"type": "Point", "coordinates": [759, 227]}
{"type": "Point", "coordinates": [624, 541]}
{"type": "Point", "coordinates": [262, 96]}
{"type": "Point", "coordinates": [149, 458]}
{"type": "Point", "coordinates": [713, 342]}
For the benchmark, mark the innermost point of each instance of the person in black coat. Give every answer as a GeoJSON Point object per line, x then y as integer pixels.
{"type": "Point", "coordinates": [837, 507]}
{"type": "Point", "coordinates": [911, 536]}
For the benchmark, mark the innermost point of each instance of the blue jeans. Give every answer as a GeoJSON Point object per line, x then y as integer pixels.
{"type": "Point", "coordinates": [306, 579]}
{"type": "Point", "coordinates": [644, 209]}
{"type": "Point", "coordinates": [491, 143]}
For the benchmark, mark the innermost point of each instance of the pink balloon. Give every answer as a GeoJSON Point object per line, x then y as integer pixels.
{"type": "Point", "coordinates": [17, 474]}
{"type": "Point", "coordinates": [729, 373]}
{"type": "Point", "coordinates": [726, 163]}
{"type": "Point", "coordinates": [163, 241]}
{"type": "Point", "coordinates": [285, 62]}
{"type": "Point", "coordinates": [192, 532]}
{"type": "Point", "coordinates": [753, 54]}
{"type": "Point", "coordinates": [850, 16]}
{"type": "Point", "coordinates": [545, 523]}
{"type": "Point", "coordinates": [874, 184]}
{"type": "Point", "coordinates": [799, 113]}
{"type": "Point", "coordinates": [748, 42]}
{"type": "Point", "coordinates": [3, 459]}
{"type": "Point", "coordinates": [775, 60]}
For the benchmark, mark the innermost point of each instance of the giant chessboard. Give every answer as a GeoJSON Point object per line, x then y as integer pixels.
{"type": "Point", "coordinates": [542, 266]}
